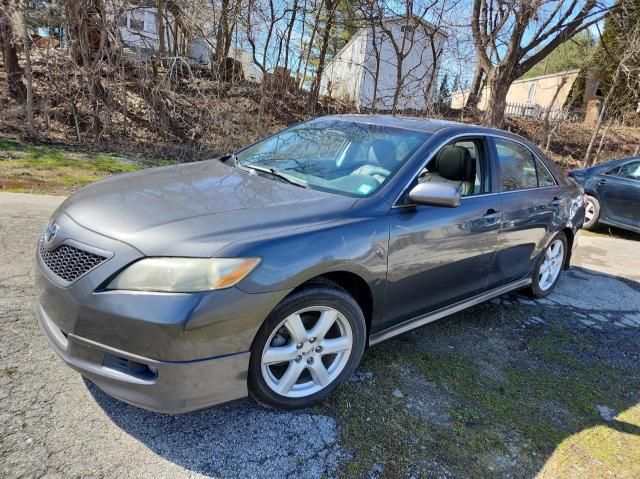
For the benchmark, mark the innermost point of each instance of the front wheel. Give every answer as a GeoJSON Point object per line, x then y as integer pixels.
{"type": "Point", "coordinates": [310, 344]}
{"type": "Point", "coordinates": [549, 267]}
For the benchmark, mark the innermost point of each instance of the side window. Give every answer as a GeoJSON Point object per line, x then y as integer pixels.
{"type": "Point", "coordinates": [630, 171]}
{"type": "Point", "coordinates": [517, 166]}
{"type": "Point", "coordinates": [544, 177]}
{"type": "Point", "coordinates": [461, 164]}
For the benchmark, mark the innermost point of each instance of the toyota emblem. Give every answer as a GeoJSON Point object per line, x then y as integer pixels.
{"type": "Point", "coordinates": [50, 232]}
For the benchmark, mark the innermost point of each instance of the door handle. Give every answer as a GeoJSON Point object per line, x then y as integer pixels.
{"type": "Point", "coordinates": [556, 201]}
{"type": "Point", "coordinates": [492, 214]}
{"type": "Point", "coordinates": [602, 181]}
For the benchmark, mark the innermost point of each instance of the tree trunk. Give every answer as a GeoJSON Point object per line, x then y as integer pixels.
{"type": "Point", "coordinates": [10, 55]}
{"type": "Point", "coordinates": [315, 87]}
{"type": "Point", "coordinates": [26, 42]}
{"type": "Point", "coordinates": [546, 124]}
{"type": "Point", "coordinates": [376, 77]}
{"type": "Point", "coordinates": [287, 45]}
{"type": "Point", "coordinates": [398, 89]}
{"type": "Point", "coordinates": [316, 24]}
{"type": "Point", "coordinates": [221, 32]}
{"type": "Point", "coordinates": [588, 161]}
{"type": "Point", "coordinates": [499, 83]}
{"type": "Point", "coordinates": [603, 138]}
{"type": "Point", "coordinates": [474, 93]}
{"type": "Point", "coordinates": [160, 16]}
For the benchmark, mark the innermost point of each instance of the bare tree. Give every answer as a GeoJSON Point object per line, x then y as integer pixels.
{"type": "Point", "coordinates": [8, 43]}
{"type": "Point", "coordinates": [316, 25]}
{"type": "Point", "coordinates": [512, 36]}
{"type": "Point", "coordinates": [627, 71]}
{"type": "Point", "coordinates": [476, 86]}
{"type": "Point", "coordinates": [26, 43]}
{"type": "Point", "coordinates": [330, 11]}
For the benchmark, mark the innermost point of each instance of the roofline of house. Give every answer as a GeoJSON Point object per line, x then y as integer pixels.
{"type": "Point", "coordinates": [523, 80]}
{"type": "Point", "coordinates": [366, 28]}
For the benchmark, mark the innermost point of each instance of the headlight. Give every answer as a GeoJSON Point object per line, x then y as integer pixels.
{"type": "Point", "coordinates": [183, 275]}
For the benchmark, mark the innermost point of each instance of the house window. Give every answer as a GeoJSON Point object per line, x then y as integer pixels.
{"type": "Point", "coordinates": [136, 24]}
{"type": "Point", "coordinates": [150, 25]}
{"type": "Point", "coordinates": [407, 28]}
{"type": "Point", "coordinates": [123, 21]}
{"type": "Point", "coordinates": [532, 93]}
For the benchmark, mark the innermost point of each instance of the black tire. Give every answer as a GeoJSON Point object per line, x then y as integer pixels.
{"type": "Point", "coordinates": [322, 293]}
{"type": "Point", "coordinates": [535, 290]}
{"type": "Point", "coordinates": [596, 213]}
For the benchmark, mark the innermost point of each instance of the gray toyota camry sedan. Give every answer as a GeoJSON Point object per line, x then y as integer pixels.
{"type": "Point", "coordinates": [268, 271]}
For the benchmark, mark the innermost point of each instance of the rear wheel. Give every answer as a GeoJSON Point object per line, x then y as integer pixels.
{"type": "Point", "coordinates": [591, 213]}
{"type": "Point", "coordinates": [549, 267]}
{"type": "Point", "coordinates": [308, 346]}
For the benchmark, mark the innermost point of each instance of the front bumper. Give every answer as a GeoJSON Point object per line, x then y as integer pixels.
{"type": "Point", "coordinates": [162, 386]}
{"type": "Point", "coordinates": [161, 351]}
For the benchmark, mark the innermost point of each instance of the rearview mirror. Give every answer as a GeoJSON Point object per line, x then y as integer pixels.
{"type": "Point", "coordinates": [435, 194]}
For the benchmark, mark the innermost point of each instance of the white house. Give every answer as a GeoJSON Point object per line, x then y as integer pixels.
{"type": "Point", "coordinates": [139, 31]}
{"type": "Point", "coordinates": [351, 74]}
{"type": "Point", "coordinates": [139, 26]}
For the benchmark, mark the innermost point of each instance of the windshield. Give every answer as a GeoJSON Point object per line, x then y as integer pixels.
{"type": "Point", "coordinates": [339, 156]}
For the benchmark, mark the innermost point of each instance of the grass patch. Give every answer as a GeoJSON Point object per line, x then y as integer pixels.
{"type": "Point", "coordinates": [46, 169]}
{"type": "Point", "coordinates": [518, 401]}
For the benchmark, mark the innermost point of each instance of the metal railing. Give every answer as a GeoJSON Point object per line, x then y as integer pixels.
{"type": "Point", "coordinates": [530, 110]}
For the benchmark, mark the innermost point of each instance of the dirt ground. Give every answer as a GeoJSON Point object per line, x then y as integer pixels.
{"type": "Point", "coordinates": [511, 388]}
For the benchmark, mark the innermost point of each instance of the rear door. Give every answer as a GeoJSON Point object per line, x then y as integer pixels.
{"type": "Point", "coordinates": [531, 201]}
{"type": "Point", "coordinates": [619, 193]}
{"type": "Point", "coordinates": [440, 255]}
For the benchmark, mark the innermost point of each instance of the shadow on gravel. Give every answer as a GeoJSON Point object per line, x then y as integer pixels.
{"type": "Point", "coordinates": [240, 440]}
{"type": "Point", "coordinates": [615, 232]}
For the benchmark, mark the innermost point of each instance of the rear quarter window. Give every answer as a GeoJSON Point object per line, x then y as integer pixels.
{"type": "Point", "coordinates": [544, 177]}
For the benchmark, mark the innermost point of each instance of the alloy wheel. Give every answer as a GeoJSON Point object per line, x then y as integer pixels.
{"type": "Point", "coordinates": [589, 212]}
{"type": "Point", "coordinates": [551, 265]}
{"type": "Point", "coordinates": [306, 351]}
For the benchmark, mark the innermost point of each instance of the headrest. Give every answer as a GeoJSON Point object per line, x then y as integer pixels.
{"type": "Point", "coordinates": [455, 163]}
{"type": "Point", "coordinates": [383, 153]}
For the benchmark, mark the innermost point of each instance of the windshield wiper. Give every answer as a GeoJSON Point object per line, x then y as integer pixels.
{"type": "Point", "coordinates": [263, 169]}
{"type": "Point", "coordinates": [277, 173]}
{"type": "Point", "coordinates": [235, 161]}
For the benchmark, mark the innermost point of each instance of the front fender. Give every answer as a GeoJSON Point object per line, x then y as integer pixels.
{"type": "Point", "coordinates": [355, 245]}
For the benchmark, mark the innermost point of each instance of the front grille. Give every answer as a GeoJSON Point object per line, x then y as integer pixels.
{"type": "Point", "coordinates": [69, 263]}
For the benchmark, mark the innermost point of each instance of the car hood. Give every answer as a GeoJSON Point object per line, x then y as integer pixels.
{"type": "Point", "coordinates": [195, 209]}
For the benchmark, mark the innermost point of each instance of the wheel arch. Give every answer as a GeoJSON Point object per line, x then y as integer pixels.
{"type": "Point", "coordinates": [353, 284]}
{"type": "Point", "coordinates": [570, 235]}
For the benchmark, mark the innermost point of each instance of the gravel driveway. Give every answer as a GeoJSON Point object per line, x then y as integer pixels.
{"type": "Point", "coordinates": [55, 425]}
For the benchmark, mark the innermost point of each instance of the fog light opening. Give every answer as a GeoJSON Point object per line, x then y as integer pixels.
{"type": "Point", "coordinates": [130, 367]}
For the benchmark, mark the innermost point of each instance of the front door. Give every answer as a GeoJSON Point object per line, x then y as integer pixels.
{"type": "Point", "coordinates": [441, 255]}
{"type": "Point", "coordinates": [619, 193]}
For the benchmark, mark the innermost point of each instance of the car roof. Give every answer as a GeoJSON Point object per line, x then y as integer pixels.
{"type": "Point", "coordinates": [428, 125]}
{"type": "Point", "coordinates": [619, 161]}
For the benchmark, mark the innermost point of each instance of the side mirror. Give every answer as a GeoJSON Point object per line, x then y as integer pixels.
{"type": "Point", "coordinates": [435, 194]}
